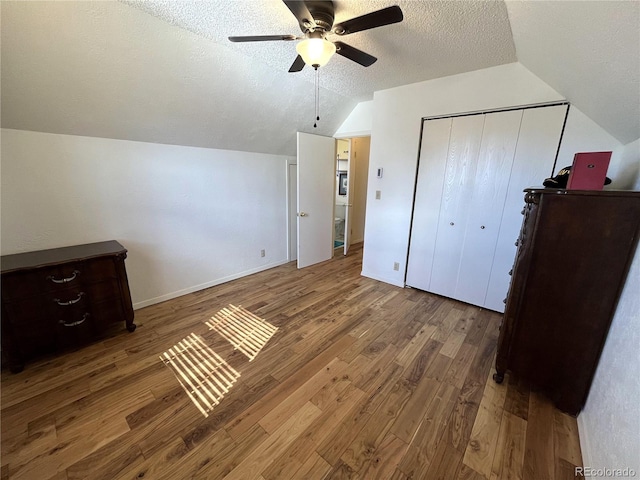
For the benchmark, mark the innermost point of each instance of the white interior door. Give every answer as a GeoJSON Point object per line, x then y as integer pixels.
{"type": "Point", "coordinates": [316, 198]}
{"type": "Point", "coordinates": [292, 174]}
{"type": "Point", "coordinates": [360, 147]}
{"type": "Point", "coordinates": [348, 209]}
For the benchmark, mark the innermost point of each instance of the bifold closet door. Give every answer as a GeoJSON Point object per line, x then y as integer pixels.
{"type": "Point", "coordinates": [457, 192]}
{"type": "Point", "coordinates": [489, 189]}
{"type": "Point", "coordinates": [466, 217]}
{"type": "Point", "coordinates": [535, 154]}
{"type": "Point", "coordinates": [434, 149]}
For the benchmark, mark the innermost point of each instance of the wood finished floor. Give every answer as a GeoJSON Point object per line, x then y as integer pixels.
{"type": "Point", "coordinates": [361, 380]}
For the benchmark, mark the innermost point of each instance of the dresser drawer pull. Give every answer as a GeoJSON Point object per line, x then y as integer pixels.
{"type": "Point", "coordinates": [75, 324]}
{"type": "Point", "coordinates": [64, 280]}
{"type": "Point", "coordinates": [70, 302]}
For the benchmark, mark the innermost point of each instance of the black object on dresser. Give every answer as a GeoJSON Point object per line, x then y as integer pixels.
{"type": "Point", "coordinates": [574, 252]}
{"type": "Point", "coordinates": [63, 297]}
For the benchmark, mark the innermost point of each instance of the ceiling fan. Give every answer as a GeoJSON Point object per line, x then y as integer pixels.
{"type": "Point", "coordinates": [316, 22]}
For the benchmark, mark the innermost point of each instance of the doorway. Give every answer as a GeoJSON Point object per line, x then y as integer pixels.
{"type": "Point", "coordinates": [306, 204]}
{"type": "Point", "coordinates": [352, 169]}
{"type": "Point", "coordinates": [343, 148]}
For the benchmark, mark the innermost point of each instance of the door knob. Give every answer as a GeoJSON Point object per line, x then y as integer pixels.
{"type": "Point", "coordinates": [451, 223]}
{"type": "Point", "coordinates": [303, 214]}
{"type": "Point", "coordinates": [482, 227]}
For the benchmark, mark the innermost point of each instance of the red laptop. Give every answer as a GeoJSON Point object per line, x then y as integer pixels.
{"type": "Point", "coordinates": [589, 171]}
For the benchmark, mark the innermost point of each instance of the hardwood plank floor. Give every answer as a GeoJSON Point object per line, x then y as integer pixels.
{"type": "Point", "coordinates": [317, 373]}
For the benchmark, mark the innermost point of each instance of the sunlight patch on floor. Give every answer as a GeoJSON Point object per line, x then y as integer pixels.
{"type": "Point", "coordinates": [247, 332]}
{"type": "Point", "coordinates": [203, 374]}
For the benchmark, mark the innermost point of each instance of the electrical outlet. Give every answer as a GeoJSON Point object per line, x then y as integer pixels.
{"type": "Point", "coordinates": [396, 266]}
{"type": "Point", "coordinates": [262, 253]}
{"type": "Point", "coordinates": [378, 194]}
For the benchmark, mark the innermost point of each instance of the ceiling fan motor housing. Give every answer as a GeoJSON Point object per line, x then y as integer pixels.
{"type": "Point", "coordinates": [323, 14]}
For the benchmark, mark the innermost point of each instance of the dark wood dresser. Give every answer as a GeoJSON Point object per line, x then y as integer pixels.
{"type": "Point", "coordinates": [574, 252]}
{"type": "Point", "coordinates": [60, 298]}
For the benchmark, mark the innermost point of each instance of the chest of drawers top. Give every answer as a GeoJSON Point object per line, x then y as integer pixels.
{"type": "Point", "coordinates": [60, 256]}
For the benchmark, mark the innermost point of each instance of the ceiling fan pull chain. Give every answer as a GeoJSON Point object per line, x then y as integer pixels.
{"type": "Point", "coordinates": [316, 92]}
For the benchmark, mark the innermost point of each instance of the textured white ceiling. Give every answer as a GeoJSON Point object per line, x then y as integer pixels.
{"type": "Point", "coordinates": [164, 71]}
{"type": "Point", "coordinates": [435, 39]}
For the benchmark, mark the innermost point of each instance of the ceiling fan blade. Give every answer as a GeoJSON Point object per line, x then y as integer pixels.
{"type": "Point", "coordinates": [379, 18]}
{"type": "Point", "coordinates": [301, 12]}
{"type": "Point", "coordinates": [354, 54]}
{"type": "Point", "coordinates": [298, 64]}
{"type": "Point", "coordinates": [262, 38]}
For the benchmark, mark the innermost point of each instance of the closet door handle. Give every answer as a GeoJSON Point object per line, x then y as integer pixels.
{"type": "Point", "coordinates": [451, 223]}
{"type": "Point", "coordinates": [481, 227]}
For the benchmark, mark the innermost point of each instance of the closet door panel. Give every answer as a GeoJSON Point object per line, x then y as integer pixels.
{"type": "Point", "coordinates": [426, 210]}
{"type": "Point", "coordinates": [490, 185]}
{"type": "Point", "coordinates": [459, 175]}
{"type": "Point", "coordinates": [534, 157]}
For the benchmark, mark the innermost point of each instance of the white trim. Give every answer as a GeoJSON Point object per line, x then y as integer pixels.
{"type": "Point", "coordinates": [585, 443]}
{"type": "Point", "coordinates": [359, 133]}
{"type": "Point", "coordinates": [382, 279]}
{"type": "Point", "coordinates": [202, 286]}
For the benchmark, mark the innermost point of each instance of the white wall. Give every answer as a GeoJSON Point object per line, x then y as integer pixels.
{"type": "Point", "coordinates": [395, 137]}
{"type": "Point", "coordinates": [625, 172]}
{"type": "Point", "coordinates": [358, 123]}
{"type": "Point", "coordinates": [190, 217]}
{"type": "Point", "coordinates": [609, 425]}
{"type": "Point", "coordinates": [583, 135]}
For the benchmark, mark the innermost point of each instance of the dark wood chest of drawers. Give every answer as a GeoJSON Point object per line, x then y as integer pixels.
{"type": "Point", "coordinates": [60, 298]}
{"type": "Point", "coordinates": [574, 252]}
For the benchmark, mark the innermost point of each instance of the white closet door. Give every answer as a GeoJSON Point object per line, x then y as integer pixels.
{"type": "Point", "coordinates": [537, 145]}
{"type": "Point", "coordinates": [459, 175]}
{"type": "Point", "coordinates": [499, 139]}
{"type": "Point", "coordinates": [433, 160]}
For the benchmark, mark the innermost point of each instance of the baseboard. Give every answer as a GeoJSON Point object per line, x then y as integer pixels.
{"type": "Point", "coordinates": [585, 443]}
{"type": "Point", "coordinates": [202, 286]}
{"type": "Point", "coordinates": [382, 279]}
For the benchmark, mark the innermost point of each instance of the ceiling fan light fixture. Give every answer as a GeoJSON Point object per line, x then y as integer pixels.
{"type": "Point", "coordinates": [316, 51]}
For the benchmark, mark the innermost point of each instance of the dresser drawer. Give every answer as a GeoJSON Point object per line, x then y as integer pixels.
{"type": "Point", "coordinates": [40, 281]}
{"type": "Point", "coordinates": [88, 293]}
{"type": "Point", "coordinates": [75, 328]}
{"type": "Point", "coordinates": [20, 285]}
{"type": "Point", "coordinates": [95, 270]}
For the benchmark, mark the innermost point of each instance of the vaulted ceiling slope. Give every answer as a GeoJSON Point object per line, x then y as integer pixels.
{"type": "Point", "coordinates": [588, 51]}
{"type": "Point", "coordinates": [164, 71]}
